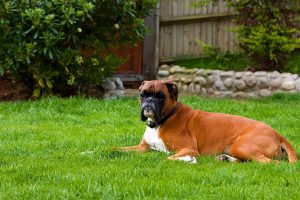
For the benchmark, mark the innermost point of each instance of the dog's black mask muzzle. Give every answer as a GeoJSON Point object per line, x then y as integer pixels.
{"type": "Point", "coordinates": [151, 108]}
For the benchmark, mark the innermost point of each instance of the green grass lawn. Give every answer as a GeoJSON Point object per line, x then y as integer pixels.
{"type": "Point", "coordinates": [62, 149]}
{"type": "Point", "coordinates": [236, 62]}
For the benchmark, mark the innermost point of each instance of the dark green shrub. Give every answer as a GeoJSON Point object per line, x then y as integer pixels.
{"type": "Point", "coordinates": [268, 31]}
{"type": "Point", "coordinates": [214, 58]}
{"type": "Point", "coordinates": [56, 45]}
{"type": "Point", "coordinates": [293, 64]}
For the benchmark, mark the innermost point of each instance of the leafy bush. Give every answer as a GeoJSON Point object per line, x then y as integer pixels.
{"type": "Point", "coordinates": [293, 64]}
{"type": "Point", "coordinates": [58, 45]}
{"type": "Point", "coordinates": [268, 31]}
{"type": "Point", "coordinates": [214, 58]}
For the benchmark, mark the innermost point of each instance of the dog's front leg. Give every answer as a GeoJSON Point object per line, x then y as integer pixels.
{"type": "Point", "coordinates": [141, 148]}
{"type": "Point", "coordinates": [185, 155]}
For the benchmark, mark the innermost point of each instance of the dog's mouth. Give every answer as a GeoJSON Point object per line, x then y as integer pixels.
{"type": "Point", "coordinates": [148, 112]}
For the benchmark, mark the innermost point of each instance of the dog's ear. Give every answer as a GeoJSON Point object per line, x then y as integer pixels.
{"type": "Point", "coordinates": [172, 88]}
{"type": "Point", "coordinates": [140, 88]}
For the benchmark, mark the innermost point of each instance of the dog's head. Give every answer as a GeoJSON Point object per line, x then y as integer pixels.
{"type": "Point", "coordinates": [157, 99]}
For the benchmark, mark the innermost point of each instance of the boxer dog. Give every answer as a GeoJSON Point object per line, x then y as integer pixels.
{"type": "Point", "coordinates": [175, 127]}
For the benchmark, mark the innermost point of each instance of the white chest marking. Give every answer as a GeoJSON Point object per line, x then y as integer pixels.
{"type": "Point", "coordinates": [152, 139]}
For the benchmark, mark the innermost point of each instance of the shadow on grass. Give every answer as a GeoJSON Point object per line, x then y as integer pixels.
{"type": "Point", "coordinates": [280, 98]}
{"type": "Point", "coordinates": [113, 153]}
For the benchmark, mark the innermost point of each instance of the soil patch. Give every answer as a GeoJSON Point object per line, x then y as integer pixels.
{"type": "Point", "coordinates": [11, 90]}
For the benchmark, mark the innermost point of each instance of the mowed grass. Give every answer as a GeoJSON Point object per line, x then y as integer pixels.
{"type": "Point", "coordinates": [64, 149]}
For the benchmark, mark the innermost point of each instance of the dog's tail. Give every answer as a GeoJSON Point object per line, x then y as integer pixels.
{"type": "Point", "coordinates": [287, 147]}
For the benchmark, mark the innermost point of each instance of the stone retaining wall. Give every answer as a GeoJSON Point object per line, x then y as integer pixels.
{"type": "Point", "coordinates": [229, 83]}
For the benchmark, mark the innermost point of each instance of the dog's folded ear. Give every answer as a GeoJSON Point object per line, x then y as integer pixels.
{"type": "Point", "coordinates": [172, 88]}
{"type": "Point", "coordinates": [140, 88]}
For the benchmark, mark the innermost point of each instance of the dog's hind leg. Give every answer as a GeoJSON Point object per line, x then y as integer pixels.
{"type": "Point", "coordinates": [247, 151]}
{"type": "Point", "coordinates": [260, 145]}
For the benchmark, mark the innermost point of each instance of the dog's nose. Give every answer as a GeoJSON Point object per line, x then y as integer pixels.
{"type": "Point", "coordinates": [149, 100]}
{"type": "Point", "coordinates": [147, 109]}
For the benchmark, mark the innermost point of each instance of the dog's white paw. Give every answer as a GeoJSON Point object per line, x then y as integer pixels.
{"type": "Point", "coordinates": [189, 159]}
{"type": "Point", "coordinates": [224, 157]}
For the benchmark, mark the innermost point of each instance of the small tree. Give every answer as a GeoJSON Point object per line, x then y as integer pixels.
{"type": "Point", "coordinates": [53, 45]}
{"type": "Point", "coordinates": [268, 30]}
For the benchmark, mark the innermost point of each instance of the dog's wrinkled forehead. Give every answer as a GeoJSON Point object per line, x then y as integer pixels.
{"type": "Point", "coordinates": [152, 86]}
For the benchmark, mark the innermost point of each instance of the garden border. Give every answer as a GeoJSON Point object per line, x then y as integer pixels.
{"type": "Point", "coordinates": [219, 83]}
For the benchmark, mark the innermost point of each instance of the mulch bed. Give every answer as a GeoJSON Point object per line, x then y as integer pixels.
{"type": "Point", "coordinates": [11, 90]}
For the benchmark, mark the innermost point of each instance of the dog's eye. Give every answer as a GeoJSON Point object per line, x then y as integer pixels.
{"type": "Point", "coordinates": [159, 95]}
{"type": "Point", "coordinates": [142, 95]}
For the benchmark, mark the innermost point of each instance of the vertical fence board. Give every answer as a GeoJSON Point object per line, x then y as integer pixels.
{"type": "Point", "coordinates": [181, 24]}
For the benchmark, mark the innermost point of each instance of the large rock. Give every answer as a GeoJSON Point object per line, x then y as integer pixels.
{"type": "Point", "coordinates": [216, 76]}
{"type": "Point", "coordinates": [164, 67]}
{"type": "Point", "coordinates": [200, 80]}
{"type": "Point", "coordinates": [207, 72]}
{"type": "Point", "coordinates": [188, 80]}
{"type": "Point", "coordinates": [189, 71]}
{"type": "Point", "coordinates": [119, 83]}
{"type": "Point", "coordinates": [276, 82]}
{"type": "Point", "coordinates": [200, 72]}
{"type": "Point", "coordinates": [260, 73]}
{"type": "Point", "coordinates": [163, 73]}
{"type": "Point", "coordinates": [275, 75]}
{"type": "Point", "coordinates": [288, 84]}
{"type": "Point", "coordinates": [203, 91]}
{"type": "Point", "coordinates": [198, 88]}
{"type": "Point", "coordinates": [247, 74]}
{"type": "Point", "coordinates": [109, 85]}
{"type": "Point", "coordinates": [239, 95]}
{"type": "Point", "coordinates": [182, 79]}
{"type": "Point", "coordinates": [264, 93]}
{"type": "Point", "coordinates": [210, 91]}
{"type": "Point", "coordinates": [191, 88]}
{"type": "Point", "coordinates": [210, 79]}
{"type": "Point", "coordinates": [295, 76]}
{"type": "Point", "coordinates": [217, 93]}
{"type": "Point", "coordinates": [227, 93]}
{"type": "Point", "coordinates": [262, 82]}
{"type": "Point", "coordinates": [240, 84]}
{"type": "Point", "coordinates": [239, 75]}
{"type": "Point", "coordinates": [116, 93]}
{"type": "Point", "coordinates": [219, 85]}
{"type": "Point", "coordinates": [250, 80]}
{"type": "Point", "coordinates": [174, 69]}
{"type": "Point", "coordinates": [176, 78]}
{"type": "Point", "coordinates": [185, 88]}
{"type": "Point", "coordinates": [286, 75]}
{"type": "Point", "coordinates": [179, 86]}
{"type": "Point", "coordinates": [226, 74]}
{"type": "Point", "coordinates": [228, 82]}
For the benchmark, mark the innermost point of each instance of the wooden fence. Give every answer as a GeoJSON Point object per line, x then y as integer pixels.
{"type": "Point", "coordinates": [181, 23]}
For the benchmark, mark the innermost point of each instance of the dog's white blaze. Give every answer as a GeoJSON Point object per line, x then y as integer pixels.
{"type": "Point", "coordinates": [152, 139]}
{"type": "Point", "coordinates": [188, 158]}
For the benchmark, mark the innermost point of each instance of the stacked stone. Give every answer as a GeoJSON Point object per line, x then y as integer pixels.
{"type": "Point", "coordinates": [229, 83]}
{"type": "Point", "coordinates": [113, 88]}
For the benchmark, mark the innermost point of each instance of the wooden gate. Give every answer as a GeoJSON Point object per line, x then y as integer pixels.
{"type": "Point", "coordinates": [133, 56]}
{"type": "Point", "coordinates": [142, 60]}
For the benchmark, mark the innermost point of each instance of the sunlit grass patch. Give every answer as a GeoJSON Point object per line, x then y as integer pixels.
{"type": "Point", "coordinates": [65, 148]}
